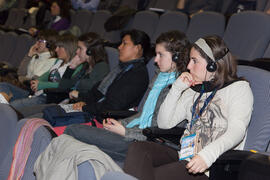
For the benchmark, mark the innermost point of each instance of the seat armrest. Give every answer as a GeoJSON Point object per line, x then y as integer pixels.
{"type": "Point", "coordinates": [117, 114]}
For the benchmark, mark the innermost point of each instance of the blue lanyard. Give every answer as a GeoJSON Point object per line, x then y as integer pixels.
{"type": "Point", "coordinates": [195, 117]}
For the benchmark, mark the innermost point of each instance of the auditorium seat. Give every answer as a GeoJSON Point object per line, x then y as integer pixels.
{"type": "Point", "coordinates": [247, 34]}
{"type": "Point", "coordinates": [204, 24]}
{"type": "Point", "coordinates": [23, 44]}
{"type": "Point", "coordinates": [83, 19]}
{"type": "Point", "coordinates": [7, 45]}
{"type": "Point", "coordinates": [113, 57]}
{"type": "Point", "coordinates": [165, 4]}
{"type": "Point", "coordinates": [97, 25]}
{"type": "Point", "coordinates": [10, 131]}
{"type": "Point", "coordinates": [172, 20]}
{"type": "Point", "coordinates": [146, 21]}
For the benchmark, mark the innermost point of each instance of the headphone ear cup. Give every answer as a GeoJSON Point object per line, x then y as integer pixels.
{"type": "Point", "coordinates": [48, 45]}
{"type": "Point", "coordinates": [211, 66]}
{"type": "Point", "coordinates": [175, 57]}
{"type": "Point", "coordinates": [88, 52]}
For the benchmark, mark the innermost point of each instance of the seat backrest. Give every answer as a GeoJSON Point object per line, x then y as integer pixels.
{"type": "Point", "coordinates": [113, 36]}
{"type": "Point", "coordinates": [165, 4]}
{"type": "Point", "coordinates": [247, 34]}
{"type": "Point", "coordinates": [151, 4]}
{"type": "Point", "coordinates": [83, 20]}
{"type": "Point", "coordinates": [146, 21]}
{"type": "Point", "coordinates": [171, 20]}
{"type": "Point", "coordinates": [225, 6]}
{"type": "Point", "coordinates": [72, 17]}
{"type": "Point", "coordinates": [204, 24]}
{"type": "Point", "coordinates": [24, 42]}
{"type": "Point", "coordinates": [42, 137]}
{"type": "Point", "coordinates": [258, 133]}
{"type": "Point", "coordinates": [8, 121]}
{"type": "Point", "coordinates": [151, 67]}
{"type": "Point", "coordinates": [7, 45]}
{"type": "Point", "coordinates": [18, 23]}
{"type": "Point", "coordinates": [261, 5]}
{"type": "Point", "coordinates": [41, 140]}
{"type": "Point", "coordinates": [113, 56]}
{"type": "Point", "coordinates": [99, 19]}
{"type": "Point", "coordinates": [12, 15]}
{"type": "Point", "coordinates": [267, 52]}
{"type": "Point", "coordinates": [21, 4]}
{"type": "Point", "coordinates": [267, 6]}
{"type": "Point", "coordinates": [130, 3]}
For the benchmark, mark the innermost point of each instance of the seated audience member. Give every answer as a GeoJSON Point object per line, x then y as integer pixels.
{"type": "Point", "coordinates": [40, 57]}
{"type": "Point", "coordinates": [218, 107]}
{"type": "Point", "coordinates": [124, 86]}
{"type": "Point", "coordinates": [192, 7]}
{"type": "Point", "coordinates": [90, 5]}
{"type": "Point", "coordinates": [60, 17]}
{"type": "Point", "coordinates": [92, 55]}
{"type": "Point", "coordinates": [65, 49]}
{"type": "Point", "coordinates": [171, 59]}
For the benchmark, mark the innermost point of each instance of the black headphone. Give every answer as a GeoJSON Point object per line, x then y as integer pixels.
{"type": "Point", "coordinates": [48, 45]}
{"type": "Point", "coordinates": [212, 65]}
{"type": "Point", "coordinates": [89, 51]}
{"type": "Point", "coordinates": [175, 57]}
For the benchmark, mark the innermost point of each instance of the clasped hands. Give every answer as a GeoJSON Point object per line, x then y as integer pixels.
{"type": "Point", "coordinates": [188, 79]}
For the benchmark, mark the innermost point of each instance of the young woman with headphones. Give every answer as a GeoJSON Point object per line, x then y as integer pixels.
{"type": "Point", "coordinates": [218, 107]}
{"type": "Point", "coordinates": [40, 57]}
{"type": "Point", "coordinates": [91, 59]}
{"type": "Point", "coordinates": [114, 138]}
{"type": "Point", "coordinates": [92, 55]}
{"type": "Point", "coordinates": [65, 49]}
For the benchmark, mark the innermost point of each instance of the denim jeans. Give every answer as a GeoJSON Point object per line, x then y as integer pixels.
{"type": "Point", "coordinates": [113, 144]}
{"type": "Point", "coordinates": [17, 93]}
{"type": "Point", "coordinates": [24, 102]}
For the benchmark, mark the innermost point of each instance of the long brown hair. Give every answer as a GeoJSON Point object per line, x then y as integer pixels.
{"type": "Point", "coordinates": [69, 43]}
{"type": "Point", "coordinates": [95, 45]}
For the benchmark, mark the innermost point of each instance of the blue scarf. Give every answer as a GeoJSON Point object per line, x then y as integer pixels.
{"type": "Point", "coordinates": [145, 120]}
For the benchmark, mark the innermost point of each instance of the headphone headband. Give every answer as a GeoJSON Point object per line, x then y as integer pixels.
{"type": "Point", "coordinates": [205, 47]}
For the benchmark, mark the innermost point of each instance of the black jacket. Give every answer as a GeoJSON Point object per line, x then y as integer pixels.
{"type": "Point", "coordinates": [125, 91]}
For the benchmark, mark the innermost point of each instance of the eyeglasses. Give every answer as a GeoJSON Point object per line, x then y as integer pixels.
{"type": "Point", "coordinates": [42, 41]}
